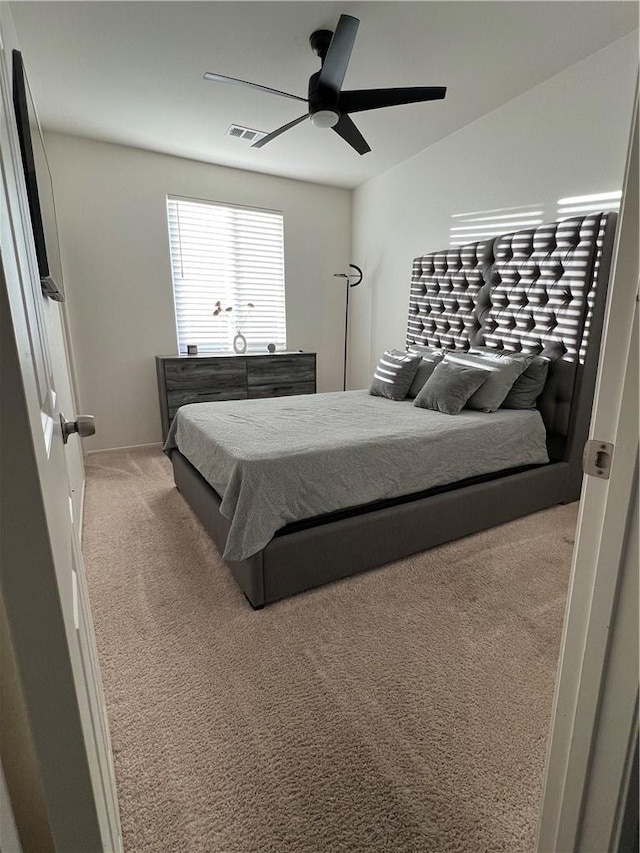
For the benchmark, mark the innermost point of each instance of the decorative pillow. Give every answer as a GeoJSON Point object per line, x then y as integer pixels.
{"type": "Point", "coordinates": [430, 356]}
{"type": "Point", "coordinates": [528, 386]}
{"type": "Point", "coordinates": [501, 372]}
{"type": "Point", "coordinates": [394, 374]}
{"type": "Point", "coordinates": [449, 387]}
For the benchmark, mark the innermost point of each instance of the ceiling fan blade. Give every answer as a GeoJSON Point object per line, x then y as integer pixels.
{"type": "Point", "coordinates": [279, 131]}
{"type": "Point", "coordinates": [335, 62]}
{"type": "Point", "coordinates": [350, 133]}
{"type": "Point", "coordinates": [359, 100]}
{"type": "Point", "coordinates": [220, 78]}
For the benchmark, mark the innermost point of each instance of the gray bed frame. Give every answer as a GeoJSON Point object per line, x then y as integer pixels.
{"type": "Point", "coordinates": [541, 290]}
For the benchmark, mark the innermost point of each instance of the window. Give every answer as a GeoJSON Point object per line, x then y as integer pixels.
{"type": "Point", "coordinates": [234, 255]}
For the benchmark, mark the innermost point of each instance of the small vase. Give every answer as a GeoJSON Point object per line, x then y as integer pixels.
{"type": "Point", "coordinates": [240, 343]}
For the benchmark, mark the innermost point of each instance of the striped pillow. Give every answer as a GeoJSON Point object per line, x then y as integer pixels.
{"type": "Point", "coordinates": [394, 374]}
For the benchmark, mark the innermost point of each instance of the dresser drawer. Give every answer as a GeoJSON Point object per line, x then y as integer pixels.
{"type": "Point", "coordinates": [175, 399]}
{"type": "Point", "coordinates": [258, 392]}
{"type": "Point", "coordinates": [215, 374]}
{"type": "Point", "coordinates": [281, 370]}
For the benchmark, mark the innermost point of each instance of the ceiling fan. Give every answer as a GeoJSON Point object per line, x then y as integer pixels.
{"type": "Point", "coordinates": [329, 106]}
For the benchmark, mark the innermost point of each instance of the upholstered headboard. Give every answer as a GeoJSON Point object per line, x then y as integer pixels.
{"type": "Point", "coordinates": [541, 290]}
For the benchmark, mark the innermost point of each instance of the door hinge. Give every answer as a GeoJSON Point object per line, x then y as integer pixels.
{"type": "Point", "coordinates": [596, 459]}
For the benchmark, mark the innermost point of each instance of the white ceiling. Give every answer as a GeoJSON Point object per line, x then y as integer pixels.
{"type": "Point", "coordinates": [131, 72]}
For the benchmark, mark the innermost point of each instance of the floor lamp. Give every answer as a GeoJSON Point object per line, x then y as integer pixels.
{"type": "Point", "coordinates": [348, 276]}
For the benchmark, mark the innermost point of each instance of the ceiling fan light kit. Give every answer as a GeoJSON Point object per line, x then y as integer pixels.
{"type": "Point", "coordinates": [328, 105]}
{"type": "Point", "coordinates": [325, 118]}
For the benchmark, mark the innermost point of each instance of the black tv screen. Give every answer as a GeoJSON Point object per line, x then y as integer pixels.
{"type": "Point", "coordinates": [39, 184]}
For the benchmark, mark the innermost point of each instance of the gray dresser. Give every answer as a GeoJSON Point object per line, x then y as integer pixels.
{"type": "Point", "coordinates": [205, 378]}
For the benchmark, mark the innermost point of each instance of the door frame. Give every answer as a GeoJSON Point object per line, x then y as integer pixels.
{"type": "Point", "coordinates": [595, 712]}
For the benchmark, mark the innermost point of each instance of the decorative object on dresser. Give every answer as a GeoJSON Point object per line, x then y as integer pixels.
{"type": "Point", "coordinates": [186, 379]}
{"type": "Point", "coordinates": [348, 276]}
{"type": "Point", "coordinates": [239, 340]}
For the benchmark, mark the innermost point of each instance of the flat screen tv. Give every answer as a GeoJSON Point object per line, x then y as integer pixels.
{"type": "Point", "coordinates": [39, 184]}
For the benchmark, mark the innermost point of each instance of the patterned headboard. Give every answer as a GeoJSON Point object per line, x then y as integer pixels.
{"type": "Point", "coordinates": [532, 291]}
{"type": "Point", "coordinates": [447, 290]}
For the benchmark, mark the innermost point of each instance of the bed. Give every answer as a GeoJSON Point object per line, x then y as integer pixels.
{"type": "Point", "coordinates": [300, 491]}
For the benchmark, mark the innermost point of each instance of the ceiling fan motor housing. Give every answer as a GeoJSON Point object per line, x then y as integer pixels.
{"type": "Point", "coordinates": [320, 41]}
{"type": "Point", "coordinates": [323, 110]}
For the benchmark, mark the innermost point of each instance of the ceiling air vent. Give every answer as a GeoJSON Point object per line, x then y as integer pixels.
{"type": "Point", "coordinates": [247, 133]}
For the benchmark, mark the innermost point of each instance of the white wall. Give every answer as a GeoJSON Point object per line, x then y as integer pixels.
{"type": "Point", "coordinates": [566, 137]}
{"type": "Point", "coordinates": [111, 210]}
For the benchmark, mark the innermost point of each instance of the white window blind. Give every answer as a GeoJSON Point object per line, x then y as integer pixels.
{"type": "Point", "coordinates": [234, 255]}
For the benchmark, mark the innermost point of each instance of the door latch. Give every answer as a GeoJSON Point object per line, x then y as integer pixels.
{"type": "Point", "coordinates": [596, 459]}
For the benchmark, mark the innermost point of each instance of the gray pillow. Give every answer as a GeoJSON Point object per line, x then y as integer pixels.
{"type": "Point", "coordinates": [394, 374]}
{"type": "Point", "coordinates": [430, 356]}
{"type": "Point", "coordinates": [449, 387]}
{"type": "Point", "coordinates": [528, 386]}
{"type": "Point", "coordinates": [501, 372]}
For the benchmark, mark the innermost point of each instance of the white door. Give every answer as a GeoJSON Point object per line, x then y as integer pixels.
{"type": "Point", "coordinates": [84, 771]}
{"type": "Point", "coordinates": [595, 716]}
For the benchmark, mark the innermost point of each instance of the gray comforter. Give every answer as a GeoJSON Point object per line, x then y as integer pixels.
{"type": "Point", "coordinates": [284, 459]}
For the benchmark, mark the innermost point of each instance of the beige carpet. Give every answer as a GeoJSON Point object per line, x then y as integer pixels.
{"type": "Point", "coordinates": [405, 709]}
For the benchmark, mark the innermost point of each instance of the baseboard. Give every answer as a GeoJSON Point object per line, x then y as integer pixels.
{"type": "Point", "coordinates": [125, 447]}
